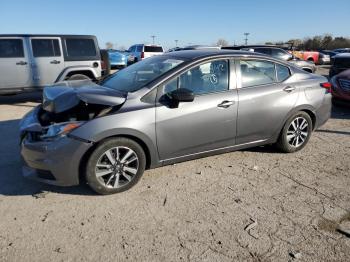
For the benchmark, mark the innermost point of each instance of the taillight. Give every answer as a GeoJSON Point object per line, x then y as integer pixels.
{"type": "Point", "coordinates": [142, 55]}
{"type": "Point", "coordinates": [327, 86]}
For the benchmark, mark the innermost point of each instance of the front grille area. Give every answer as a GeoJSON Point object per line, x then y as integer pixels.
{"type": "Point", "coordinates": [345, 84]}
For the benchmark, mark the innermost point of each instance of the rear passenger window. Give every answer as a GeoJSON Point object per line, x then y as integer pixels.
{"type": "Point", "coordinates": [10, 48]}
{"type": "Point", "coordinates": [45, 47]}
{"type": "Point", "coordinates": [139, 48]}
{"type": "Point", "coordinates": [257, 72]}
{"type": "Point", "coordinates": [80, 47]}
{"type": "Point", "coordinates": [282, 72]}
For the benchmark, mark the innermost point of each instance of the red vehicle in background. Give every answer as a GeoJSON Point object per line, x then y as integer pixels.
{"type": "Point", "coordinates": [312, 56]}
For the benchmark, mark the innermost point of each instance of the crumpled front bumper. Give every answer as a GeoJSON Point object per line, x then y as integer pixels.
{"type": "Point", "coordinates": [53, 162]}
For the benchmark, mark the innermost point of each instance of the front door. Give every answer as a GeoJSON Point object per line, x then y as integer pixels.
{"type": "Point", "coordinates": [14, 63]}
{"type": "Point", "coordinates": [207, 123]}
{"type": "Point", "coordinates": [48, 60]}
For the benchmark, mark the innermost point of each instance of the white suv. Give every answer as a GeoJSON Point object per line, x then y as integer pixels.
{"type": "Point", "coordinates": [30, 62]}
{"type": "Point", "coordinates": [142, 51]}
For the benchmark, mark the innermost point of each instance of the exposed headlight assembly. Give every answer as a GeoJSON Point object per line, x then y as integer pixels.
{"type": "Point", "coordinates": [62, 129]}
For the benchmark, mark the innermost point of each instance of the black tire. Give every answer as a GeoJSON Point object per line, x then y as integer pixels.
{"type": "Point", "coordinates": [100, 185]}
{"type": "Point", "coordinates": [78, 77]}
{"type": "Point", "coordinates": [284, 144]}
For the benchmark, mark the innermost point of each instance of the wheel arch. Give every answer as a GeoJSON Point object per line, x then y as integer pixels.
{"type": "Point", "coordinates": [304, 108]}
{"type": "Point", "coordinates": [151, 159]}
{"type": "Point", "coordinates": [84, 70]}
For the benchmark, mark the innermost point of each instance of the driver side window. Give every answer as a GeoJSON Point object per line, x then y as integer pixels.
{"type": "Point", "coordinates": [206, 78]}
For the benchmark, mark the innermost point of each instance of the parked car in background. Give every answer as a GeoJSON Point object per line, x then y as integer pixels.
{"type": "Point", "coordinates": [311, 56]}
{"type": "Point", "coordinates": [341, 88]}
{"type": "Point", "coordinates": [340, 63]}
{"type": "Point", "coordinates": [149, 115]}
{"type": "Point", "coordinates": [278, 53]}
{"type": "Point", "coordinates": [330, 53]}
{"type": "Point", "coordinates": [196, 47]}
{"type": "Point", "coordinates": [118, 59]}
{"type": "Point", "coordinates": [342, 50]}
{"type": "Point", "coordinates": [142, 51]}
{"type": "Point", "coordinates": [29, 62]}
{"type": "Point", "coordinates": [324, 59]}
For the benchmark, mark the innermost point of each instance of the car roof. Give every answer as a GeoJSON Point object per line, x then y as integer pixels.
{"type": "Point", "coordinates": [251, 46]}
{"type": "Point", "coordinates": [43, 35]}
{"type": "Point", "coordinates": [200, 47]}
{"type": "Point", "coordinates": [203, 53]}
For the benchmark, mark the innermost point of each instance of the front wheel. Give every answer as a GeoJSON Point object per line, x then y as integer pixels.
{"type": "Point", "coordinates": [115, 166]}
{"type": "Point", "coordinates": [295, 133]}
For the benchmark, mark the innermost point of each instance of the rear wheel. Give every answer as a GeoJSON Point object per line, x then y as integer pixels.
{"type": "Point", "coordinates": [295, 133]}
{"type": "Point", "coordinates": [115, 166]}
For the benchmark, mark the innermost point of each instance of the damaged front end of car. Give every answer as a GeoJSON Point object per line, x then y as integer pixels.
{"type": "Point", "coordinates": [51, 155]}
{"type": "Point", "coordinates": [67, 106]}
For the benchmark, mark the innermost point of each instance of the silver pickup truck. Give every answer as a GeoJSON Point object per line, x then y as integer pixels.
{"type": "Point", "coordinates": [29, 62]}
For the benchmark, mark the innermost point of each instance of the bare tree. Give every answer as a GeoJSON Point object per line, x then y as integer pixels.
{"type": "Point", "coordinates": [222, 42]}
{"type": "Point", "coordinates": [109, 45]}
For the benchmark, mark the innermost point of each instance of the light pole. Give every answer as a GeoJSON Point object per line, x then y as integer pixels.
{"type": "Point", "coordinates": [176, 41]}
{"type": "Point", "coordinates": [246, 38]}
{"type": "Point", "coordinates": [153, 37]}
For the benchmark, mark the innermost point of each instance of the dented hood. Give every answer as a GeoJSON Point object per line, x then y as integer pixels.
{"type": "Point", "coordinates": [68, 94]}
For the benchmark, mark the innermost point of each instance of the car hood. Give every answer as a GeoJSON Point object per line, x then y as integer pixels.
{"type": "Point", "coordinates": [68, 94]}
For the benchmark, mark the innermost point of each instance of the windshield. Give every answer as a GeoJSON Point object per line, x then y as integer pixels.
{"type": "Point", "coordinates": [138, 75]}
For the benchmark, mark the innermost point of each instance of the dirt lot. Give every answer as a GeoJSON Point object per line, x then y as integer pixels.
{"type": "Point", "coordinates": [249, 205]}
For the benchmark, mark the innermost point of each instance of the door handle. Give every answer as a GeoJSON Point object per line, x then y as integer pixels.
{"type": "Point", "coordinates": [21, 63]}
{"type": "Point", "coordinates": [226, 104]}
{"type": "Point", "coordinates": [55, 62]}
{"type": "Point", "coordinates": [289, 89]}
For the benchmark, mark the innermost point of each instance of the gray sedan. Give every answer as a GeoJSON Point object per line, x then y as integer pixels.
{"type": "Point", "coordinates": [167, 109]}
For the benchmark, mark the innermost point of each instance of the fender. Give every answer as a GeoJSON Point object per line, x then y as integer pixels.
{"type": "Point", "coordinates": [129, 133]}
{"type": "Point", "coordinates": [292, 112]}
{"type": "Point", "coordinates": [67, 70]}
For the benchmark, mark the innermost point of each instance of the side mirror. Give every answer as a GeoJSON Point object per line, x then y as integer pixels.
{"type": "Point", "coordinates": [182, 95]}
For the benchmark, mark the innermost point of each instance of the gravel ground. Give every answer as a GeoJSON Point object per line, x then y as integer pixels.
{"type": "Point", "coordinates": [249, 205]}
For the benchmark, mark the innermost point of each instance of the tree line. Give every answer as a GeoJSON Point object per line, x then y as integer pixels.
{"type": "Point", "coordinates": [325, 42]}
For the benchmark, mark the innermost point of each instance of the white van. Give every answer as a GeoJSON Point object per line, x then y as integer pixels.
{"type": "Point", "coordinates": [142, 51]}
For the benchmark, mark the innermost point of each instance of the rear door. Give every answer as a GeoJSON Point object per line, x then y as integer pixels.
{"type": "Point", "coordinates": [48, 60]}
{"type": "Point", "coordinates": [207, 123]}
{"type": "Point", "coordinates": [266, 96]}
{"type": "Point", "coordinates": [14, 63]}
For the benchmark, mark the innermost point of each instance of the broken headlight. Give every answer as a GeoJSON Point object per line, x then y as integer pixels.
{"type": "Point", "coordinates": [58, 130]}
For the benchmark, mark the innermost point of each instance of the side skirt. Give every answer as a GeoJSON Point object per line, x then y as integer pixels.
{"type": "Point", "coordinates": [215, 152]}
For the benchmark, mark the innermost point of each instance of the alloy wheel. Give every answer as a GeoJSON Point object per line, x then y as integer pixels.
{"type": "Point", "coordinates": [298, 131]}
{"type": "Point", "coordinates": [117, 167]}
